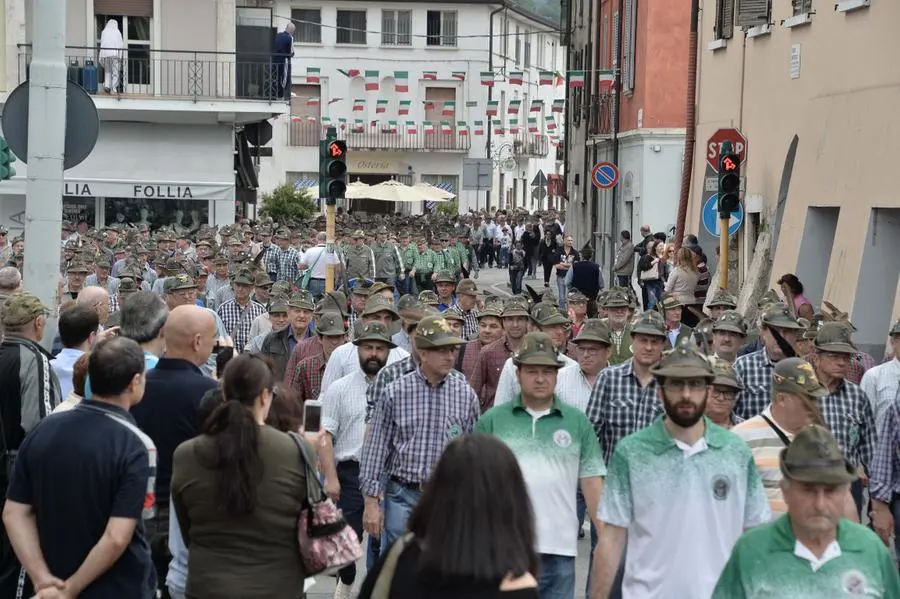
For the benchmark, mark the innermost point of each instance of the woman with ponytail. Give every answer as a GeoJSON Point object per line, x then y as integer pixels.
{"type": "Point", "coordinates": [238, 489]}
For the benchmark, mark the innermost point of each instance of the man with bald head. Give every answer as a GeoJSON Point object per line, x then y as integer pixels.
{"type": "Point", "coordinates": [168, 412]}
{"type": "Point", "coordinates": [97, 298]}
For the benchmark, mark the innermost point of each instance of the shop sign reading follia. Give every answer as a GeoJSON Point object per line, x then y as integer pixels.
{"type": "Point", "coordinates": [149, 191]}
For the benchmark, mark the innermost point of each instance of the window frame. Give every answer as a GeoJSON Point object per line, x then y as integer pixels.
{"type": "Point", "coordinates": [350, 31]}
{"type": "Point", "coordinates": [444, 39]}
{"type": "Point", "coordinates": [801, 7]}
{"type": "Point", "coordinates": [400, 39]}
{"type": "Point", "coordinates": [306, 27]}
{"type": "Point", "coordinates": [724, 28]}
{"type": "Point", "coordinates": [629, 47]}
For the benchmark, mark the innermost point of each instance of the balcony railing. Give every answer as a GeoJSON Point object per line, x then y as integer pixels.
{"type": "Point", "coordinates": [529, 144]}
{"type": "Point", "coordinates": [600, 115]}
{"type": "Point", "coordinates": [140, 71]}
{"type": "Point", "coordinates": [560, 153]}
{"type": "Point", "coordinates": [381, 137]}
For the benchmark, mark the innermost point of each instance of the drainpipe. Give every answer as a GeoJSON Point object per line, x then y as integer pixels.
{"type": "Point", "coordinates": [490, 128]}
{"type": "Point", "coordinates": [614, 121]}
{"type": "Point", "coordinates": [690, 132]}
{"type": "Point", "coordinates": [592, 86]}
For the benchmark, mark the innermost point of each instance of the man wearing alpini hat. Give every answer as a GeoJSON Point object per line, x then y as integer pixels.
{"type": "Point", "coordinates": [681, 469]}
{"type": "Point", "coordinates": [812, 551]}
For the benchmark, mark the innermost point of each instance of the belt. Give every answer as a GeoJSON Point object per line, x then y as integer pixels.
{"type": "Point", "coordinates": [418, 487]}
{"type": "Point", "coordinates": [316, 279]}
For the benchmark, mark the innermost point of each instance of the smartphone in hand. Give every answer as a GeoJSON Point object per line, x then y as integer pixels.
{"type": "Point", "coordinates": [312, 416]}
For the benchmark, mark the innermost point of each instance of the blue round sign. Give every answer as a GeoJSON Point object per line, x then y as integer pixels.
{"type": "Point", "coordinates": [710, 217]}
{"type": "Point", "coordinates": [605, 175]}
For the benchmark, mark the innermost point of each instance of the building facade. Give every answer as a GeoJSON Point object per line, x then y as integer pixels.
{"type": "Point", "coordinates": [631, 111]}
{"type": "Point", "coordinates": [403, 84]}
{"type": "Point", "coordinates": [769, 69]}
{"type": "Point", "coordinates": [191, 77]}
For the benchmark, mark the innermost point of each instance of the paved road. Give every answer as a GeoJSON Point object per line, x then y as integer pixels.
{"type": "Point", "coordinates": [496, 281]}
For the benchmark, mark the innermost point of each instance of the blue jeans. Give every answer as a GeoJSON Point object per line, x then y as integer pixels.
{"type": "Point", "coordinates": [557, 577]}
{"type": "Point", "coordinates": [352, 505]}
{"type": "Point", "coordinates": [561, 292]}
{"type": "Point", "coordinates": [515, 281]}
{"type": "Point", "coordinates": [399, 502]}
{"type": "Point", "coordinates": [655, 291]}
{"type": "Point", "coordinates": [504, 256]}
{"type": "Point", "coordinates": [316, 287]}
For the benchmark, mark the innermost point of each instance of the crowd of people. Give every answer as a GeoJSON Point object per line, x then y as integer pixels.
{"type": "Point", "coordinates": [161, 447]}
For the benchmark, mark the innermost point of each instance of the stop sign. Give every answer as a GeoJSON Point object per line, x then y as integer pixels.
{"type": "Point", "coordinates": [714, 145]}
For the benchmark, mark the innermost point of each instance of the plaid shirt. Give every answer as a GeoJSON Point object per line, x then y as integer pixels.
{"type": "Point", "coordinates": [351, 321]}
{"type": "Point", "coordinates": [386, 376]}
{"type": "Point", "coordinates": [306, 348]}
{"type": "Point", "coordinates": [848, 413]}
{"type": "Point", "coordinates": [308, 377]}
{"type": "Point", "coordinates": [467, 357]}
{"type": "Point", "coordinates": [755, 370]}
{"type": "Point", "coordinates": [470, 326]}
{"type": "Point", "coordinates": [484, 380]}
{"type": "Point", "coordinates": [885, 467]}
{"type": "Point", "coordinates": [238, 321]}
{"type": "Point", "coordinates": [288, 261]}
{"type": "Point", "coordinates": [410, 427]}
{"type": "Point", "coordinates": [619, 406]}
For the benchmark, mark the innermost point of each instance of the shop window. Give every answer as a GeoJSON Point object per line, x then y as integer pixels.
{"type": "Point", "coordinates": [162, 212]}
{"type": "Point", "coordinates": [80, 209]}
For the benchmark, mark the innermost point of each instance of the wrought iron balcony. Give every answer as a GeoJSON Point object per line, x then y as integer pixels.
{"type": "Point", "coordinates": [561, 152]}
{"type": "Point", "coordinates": [600, 115]}
{"type": "Point", "coordinates": [530, 144]}
{"type": "Point", "coordinates": [140, 72]}
{"type": "Point", "coordinates": [381, 136]}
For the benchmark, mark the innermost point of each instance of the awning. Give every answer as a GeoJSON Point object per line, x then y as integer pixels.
{"type": "Point", "coordinates": [129, 188]}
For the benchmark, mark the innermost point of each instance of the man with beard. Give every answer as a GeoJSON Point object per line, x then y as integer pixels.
{"type": "Point", "coordinates": [678, 542]}
{"type": "Point", "coordinates": [343, 418]}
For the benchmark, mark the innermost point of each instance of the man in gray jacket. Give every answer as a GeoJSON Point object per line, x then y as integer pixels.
{"type": "Point", "coordinates": [624, 264]}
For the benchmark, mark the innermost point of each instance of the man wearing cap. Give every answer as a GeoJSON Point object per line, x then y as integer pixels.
{"type": "Point", "coordinates": [279, 345]}
{"type": "Point", "coordinates": [262, 284]}
{"type": "Point", "coordinates": [812, 551]}
{"type": "Point", "coordinates": [444, 286]}
{"type": "Point", "coordinates": [218, 284]}
{"type": "Point", "coordinates": [547, 319]}
{"type": "Point", "coordinates": [411, 312]}
{"type": "Point", "coordinates": [306, 378]}
{"type": "Point", "coordinates": [275, 319]}
{"type": "Point", "coordinates": [127, 288]}
{"type": "Point", "coordinates": [407, 434]}
{"type": "Point", "coordinates": [618, 307]}
{"type": "Point", "coordinates": [557, 451]}
{"type": "Point", "coordinates": [466, 301]}
{"type": "Point", "coordinates": [845, 409]}
{"type": "Point", "coordinates": [490, 330]}
{"type": "Point", "coordinates": [238, 314]}
{"type": "Point", "coordinates": [755, 369]}
{"type": "Point", "coordinates": [76, 272]}
{"type": "Point", "coordinates": [729, 333]}
{"type": "Point", "coordinates": [101, 277]}
{"type": "Point", "coordinates": [514, 319]}
{"type": "Point", "coordinates": [359, 258]}
{"type": "Point", "coordinates": [577, 309]}
{"type": "Point", "coordinates": [721, 302]}
{"type": "Point", "coordinates": [882, 385]}
{"type": "Point", "coordinates": [422, 267]}
{"type": "Point", "coordinates": [680, 469]}
{"type": "Point", "coordinates": [343, 360]}
{"type": "Point", "coordinates": [343, 419]}
{"type": "Point", "coordinates": [286, 258]}
{"type": "Point", "coordinates": [334, 301]}
{"type": "Point", "coordinates": [388, 263]}
{"type": "Point", "coordinates": [672, 308]}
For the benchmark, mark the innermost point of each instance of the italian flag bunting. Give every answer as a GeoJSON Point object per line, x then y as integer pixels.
{"type": "Point", "coordinates": [558, 105]}
{"type": "Point", "coordinates": [550, 122]}
{"type": "Point", "coordinates": [536, 106]}
{"type": "Point", "coordinates": [428, 126]}
{"type": "Point", "coordinates": [353, 73]}
{"type": "Point", "coordinates": [411, 128]}
{"type": "Point", "coordinates": [401, 82]}
{"type": "Point", "coordinates": [560, 80]}
{"type": "Point", "coordinates": [576, 79]}
{"type": "Point", "coordinates": [381, 106]}
{"type": "Point", "coordinates": [371, 81]}
{"type": "Point", "coordinates": [514, 106]}
{"type": "Point", "coordinates": [478, 127]}
{"type": "Point", "coordinates": [326, 121]}
{"type": "Point", "coordinates": [359, 105]}
{"type": "Point", "coordinates": [403, 108]}
{"type": "Point", "coordinates": [532, 124]}
{"type": "Point", "coordinates": [449, 109]}
{"type": "Point", "coordinates": [513, 126]}
{"type": "Point", "coordinates": [493, 107]}
{"type": "Point", "coordinates": [392, 126]}
{"type": "Point", "coordinates": [429, 75]}
{"type": "Point", "coordinates": [311, 118]}
{"type": "Point", "coordinates": [545, 78]}
{"type": "Point", "coordinates": [445, 128]}
{"type": "Point", "coordinates": [459, 75]}
{"type": "Point", "coordinates": [429, 104]}
{"type": "Point", "coordinates": [487, 78]}
{"type": "Point", "coordinates": [516, 77]}
{"type": "Point", "coordinates": [342, 121]}
{"type": "Point", "coordinates": [606, 80]}
{"type": "Point", "coordinates": [462, 128]}
{"type": "Point", "coordinates": [312, 101]}
{"type": "Point", "coordinates": [359, 126]}
{"type": "Point", "coordinates": [498, 127]}
{"type": "Point", "coordinates": [313, 75]}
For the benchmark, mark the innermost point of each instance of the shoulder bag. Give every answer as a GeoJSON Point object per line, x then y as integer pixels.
{"type": "Point", "coordinates": [651, 274]}
{"type": "Point", "coordinates": [304, 280]}
{"type": "Point", "coordinates": [327, 543]}
{"type": "Point", "coordinates": [382, 588]}
{"type": "Point", "coordinates": [777, 430]}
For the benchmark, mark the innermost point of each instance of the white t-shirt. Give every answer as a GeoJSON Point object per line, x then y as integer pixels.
{"type": "Point", "coordinates": [344, 360]}
{"type": "Point", "coordinates": [320, 268]}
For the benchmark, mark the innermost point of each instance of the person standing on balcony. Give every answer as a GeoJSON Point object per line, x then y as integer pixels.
{"type": "Point", "coordinates": [284, 52]}
{"type": "Point", "coordinates": [111, 47]}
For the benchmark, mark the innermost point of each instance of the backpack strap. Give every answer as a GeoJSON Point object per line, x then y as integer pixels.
{"type": "Point", "coordinates": [382, 588]}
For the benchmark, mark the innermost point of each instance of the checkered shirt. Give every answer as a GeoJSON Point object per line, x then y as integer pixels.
{"type": "Point", "coordinates": [885, 469]}
{"type": "Point", "coordinates": [755, 370]}
{"type": "Point", "coordinates": [307, 379]}
{"type": "Point", "coordinates": [343, 411]}
{"type": "Point", "coordinates": [487, 372]}
{"type": "Point", "coordinates": [471, 353]}
{"type": "Point", "coordinates": [351, 329]}
{"type": "Point", "coordinates": [306, 348]}
{"type": "Point", "coordinates": [238, 320]}
{"type": "Point", "coordinates": [288, 261]}
{"type": "Point", "coordinates": [848, 413]}
{"type": "Point", "coordinates": [619, 406]}
{"type": "Point", "coordinates": [860, 363]}
{"type": "Point", "coordinates": [386, 376]}
{"type": "Point", "coordinates": [470, 326]}
{"type": "Point", "coordinates": [411, 425]}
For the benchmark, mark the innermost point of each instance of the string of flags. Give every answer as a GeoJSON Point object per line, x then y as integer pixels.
{"type": "Point", "coordinates": [606, 78]}
{"type": "Point", "coordinates": [514, 106]}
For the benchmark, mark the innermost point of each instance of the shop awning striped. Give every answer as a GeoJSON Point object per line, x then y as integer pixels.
{"type": "Point", "coordinates": [448, 187]}
{"type": "Point", "coordinates": [306, 184]}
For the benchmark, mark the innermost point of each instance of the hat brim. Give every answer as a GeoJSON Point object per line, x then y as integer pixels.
{"type": "Point", "coordinates": [421, 343]}
{"type": "Point", "coordinates": [728, 328]}
{"type": "Point", "coordinates": [723, 381]}
{"type": "Point", "coordinates": [516, 313]}
{"type": "Point", "coordinates": [649, 332]}
{"type": "Point", "coordinates": [825, 475]}
{"type": "Point", "coordinates": [836, 348]}
{"type": "Point", "coordinates": [553, 320]}
{"type": "Point", "coordinates": [591, 339]}
{"type": "Point", "coordinates": [539, 361]}
{"type": "Point", "coordinates": [331, 332]}
{"type": "Point", "coordinates": [609, 305]}
{"type": "Point", "coordinates": [388, 342]}
{"type": "Point", "coordinates": [683, 372]}
{"type": "Point", "coordinates": [790, 326]}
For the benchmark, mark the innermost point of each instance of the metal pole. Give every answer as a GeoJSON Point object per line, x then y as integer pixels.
{"type": "Point", "coordinates": [329, 246]}
{"type": "Point", "coordinates": [724, 221]}
{"type": "Point", "coordinates": [46, 147]}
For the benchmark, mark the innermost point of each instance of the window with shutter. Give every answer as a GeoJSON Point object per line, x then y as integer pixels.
{"type": "Point", "coordinates": [396, 28]}
{"type": "Point", "coordinates": [128, 8]}
{"type": "Point", "coordinates": [628, 49]}
{"type": "Point", "coordinates": [801, 6]}
{"type": "Point", "coordinates": [308, 22]}
{"type": "Point", "coordinates": [724, 19]}
{"type": "Point", "coordinates": [751, 13]}
{"type": "Point", "coordinates": [351, 27]}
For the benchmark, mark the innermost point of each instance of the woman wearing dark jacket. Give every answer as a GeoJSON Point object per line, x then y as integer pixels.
{"type": "Point", "coordinates": [530, 241]}
{"type": "Point", "coordinates": [472, 531]}
{"type": "Point", "coordinates": [548, 254]}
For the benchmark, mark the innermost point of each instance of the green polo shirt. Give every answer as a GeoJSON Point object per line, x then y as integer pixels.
{"type": "Point", "coordinates": [554, 449]}
{"type": "Point", "coordinates": [763, 565]}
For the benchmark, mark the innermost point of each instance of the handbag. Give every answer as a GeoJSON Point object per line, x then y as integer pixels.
{"type": "Point", "coordinates": [651, 274]}
{"type": "Point", "coordinates": [327, 543]}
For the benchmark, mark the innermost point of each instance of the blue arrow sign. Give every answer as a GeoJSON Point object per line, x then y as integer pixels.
{"type": "Point", "coordinates": [711, 217]}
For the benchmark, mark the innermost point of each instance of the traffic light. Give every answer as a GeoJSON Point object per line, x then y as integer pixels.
{"type": "Point", "coordinates": [332, 168]}
{"type": "Point", "coordinates": [729, 180]}
{"type": "Point", "coordinates": [6, 160]}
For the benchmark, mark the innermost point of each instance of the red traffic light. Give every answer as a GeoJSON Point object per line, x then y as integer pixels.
{"type": "Point", "coordinates": [336, 149]}
{"type": "Point", "coordinates": [730, 163]}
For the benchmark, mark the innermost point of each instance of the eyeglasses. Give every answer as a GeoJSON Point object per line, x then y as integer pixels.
{"type": "Point", "coordinates": [726, 394]}
{"type": "Point", "coordinates": [682, 384]}
{"type": "Point", "coordinates": [591, 351]}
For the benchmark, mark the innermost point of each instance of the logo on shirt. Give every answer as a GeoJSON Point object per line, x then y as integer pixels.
{"type": "Point", "coordinates": [854, 583]}
{"type": "Point", "coordinates": [454, 431]}
{"type": "Point", "coordinates": [562, 438]}
{"type": "Point", "coordinates": [720, 487]}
